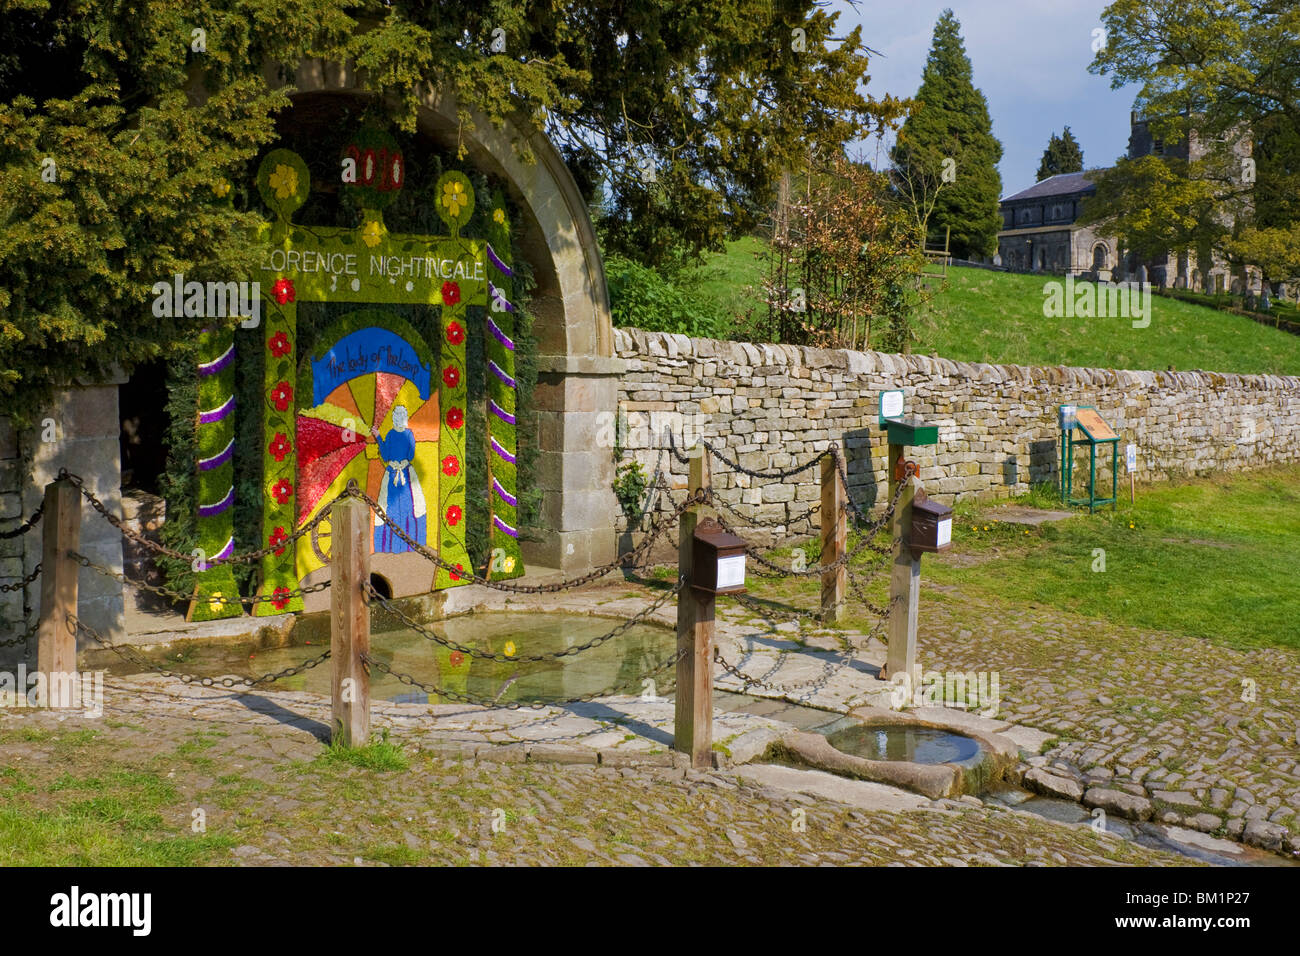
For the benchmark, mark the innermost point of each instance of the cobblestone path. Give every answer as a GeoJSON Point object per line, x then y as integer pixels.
{"type": "Point", "coordinates": [269, 796]}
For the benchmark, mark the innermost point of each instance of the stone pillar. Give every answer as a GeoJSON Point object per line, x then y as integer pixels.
{"type": "Point", "coordinates": [86, 442]}
{"type": "Point", "coordinates": [576, 398]}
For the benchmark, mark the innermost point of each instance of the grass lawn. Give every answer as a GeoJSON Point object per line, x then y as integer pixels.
{"type": "Point", "coordinates": [1212, 558]}
{"type": "Point", "coordinates": [997, 317]}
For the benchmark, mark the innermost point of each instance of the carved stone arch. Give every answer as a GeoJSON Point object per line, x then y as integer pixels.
{"type": "Point", "coordinates": [577, 386]}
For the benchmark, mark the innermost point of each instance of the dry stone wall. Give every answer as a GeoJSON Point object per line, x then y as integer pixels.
{"type": "Point", "coordinates": [773, 406]}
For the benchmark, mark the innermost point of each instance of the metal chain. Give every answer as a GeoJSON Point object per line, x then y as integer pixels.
{"type": "Point", "coordinates": [700, 497]}
{"type": "Point", "coordinates": [248, 557]}
{"type": "Point", "coordinates": [140, 661]}
{"type": "Point", "coordinates": [24, 637]}
{"type": "Point", "coordinates": [424, 632]}
{"type": "Point", "coordinates": [26, 525]}
{"type": "Point", "coordinates": [19, 585]}
{"type": "Point", "coordinates": [748, 682]}
{"type": "Point", "coordinates": [173, 594]}
{"type": "Point", "coordinates": [843, 560]}
{"type": "Point", "coordinates": [517, 705]}
{"type": "Point", "coordinates": [737, 466]}
{"type": "Point", "coordinates": [757, 523]}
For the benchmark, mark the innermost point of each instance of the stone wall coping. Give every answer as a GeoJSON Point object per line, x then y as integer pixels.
{"type": "Point", "coordinates": [630, 343]}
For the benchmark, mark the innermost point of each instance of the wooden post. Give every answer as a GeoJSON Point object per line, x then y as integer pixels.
{"type": "Point", "coordinates": [904, 592]}
{"type": "Point", "coordinates": [835, 534]}
{"type": "Point", "coordinates": [350, 538]}
{"type": "Point", "coordinates": [693, 709]}
{"type": "Point", "coordinates": [56, 648]}
{"type": "Point", "coordinates": [896, 453]}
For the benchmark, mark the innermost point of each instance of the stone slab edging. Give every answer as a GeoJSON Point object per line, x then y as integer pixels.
{"type": "Point", "coordinates": [633, 343]}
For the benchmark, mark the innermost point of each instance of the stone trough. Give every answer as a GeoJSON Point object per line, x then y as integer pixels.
{"type": "Point", "coordinates": [993, 757]}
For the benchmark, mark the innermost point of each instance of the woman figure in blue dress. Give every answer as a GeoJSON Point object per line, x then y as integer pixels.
{"type": "Point", "coordinates": [400, 494]}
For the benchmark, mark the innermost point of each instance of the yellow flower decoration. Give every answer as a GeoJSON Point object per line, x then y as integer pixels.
{"type": "Point", "coordinates": [499, 216]}
{"type": "Point", "coordinates": [221, 189]}
{"type": "Point", "coordinates": [509, 564]}
{"type": "Point", "coordinates": [284, 181]}
{"type": "Point", "coordinates": [216, 601]}
{"type": "Point", "coordinates": [454, 198]}
{"type": "Point", "coordinates": [510, 649]}
{"type": "Point", "coordinates": [371, 234]}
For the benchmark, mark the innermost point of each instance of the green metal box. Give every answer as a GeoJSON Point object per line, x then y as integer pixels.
{"type": "Point", "coordinates": [911, 431]}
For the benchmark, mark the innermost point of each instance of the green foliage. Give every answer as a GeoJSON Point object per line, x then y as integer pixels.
{"type": "Point", "coordinates": [629, 487]}
{"type": "Point", "coordinates": [1157, 205]}
{"type": "Point", "coordinates": [713, 93]}
{"type": "Point", "coordinates": [1235, 74]}
{"type": "Point", "coordinates": [380, 754]}
{"type": "Point", "coordinates": [1062, 155]}
{"type": "Point", "coordinates": [951, 122]}
{"type": "Point", "coordinates": [842, 252]}
{"type": "Point", "coordinates": [639, 297]}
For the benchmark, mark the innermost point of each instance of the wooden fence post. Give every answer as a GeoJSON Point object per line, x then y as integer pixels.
{"type": "Point", "coordinates": [350, 536]}
{"type": "Point", "coordinates": [56, 648]}
{"type": "Point", "coordinates": [693, 710]}
{"type": "Point", "coordinates": [893, 456]}
{"type": "Point", "coordinates": [904, 591]}
{"type": "Point", "coordinates": [835, 533]}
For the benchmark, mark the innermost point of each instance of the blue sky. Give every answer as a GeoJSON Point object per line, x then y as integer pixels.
{"type": "Point", "coordinates": [1030, 59]}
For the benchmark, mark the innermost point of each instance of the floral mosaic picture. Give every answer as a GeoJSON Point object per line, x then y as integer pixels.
{"type": "Point", "coordinates": [376, 401]}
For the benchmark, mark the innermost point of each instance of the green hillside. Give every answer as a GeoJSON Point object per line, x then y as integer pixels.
{"type": "Point", "coordinates": [988, 316]}
{"type": "Point", "coordinates": [985, 316]}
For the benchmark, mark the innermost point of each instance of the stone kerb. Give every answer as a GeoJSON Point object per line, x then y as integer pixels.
{"type": "Point", "coordinates": [773, 406]}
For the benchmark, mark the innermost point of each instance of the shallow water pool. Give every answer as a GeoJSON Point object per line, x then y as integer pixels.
{"type": "Point", "coordinates": [617, 662]}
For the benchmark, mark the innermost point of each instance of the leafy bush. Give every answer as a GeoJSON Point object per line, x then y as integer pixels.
{"type": "Point", "coordinates": [639, 297]}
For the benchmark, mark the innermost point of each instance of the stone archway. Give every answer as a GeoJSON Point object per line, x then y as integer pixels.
{"type": "Point", "coordinates": [577, 384]}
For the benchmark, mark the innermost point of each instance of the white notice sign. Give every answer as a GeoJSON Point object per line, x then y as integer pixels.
{"type": "Point", "coordinates": [945, 532]}
{"type": "Point", "coordinates": [891, 404]}
{"type": "Point", "coordinates": [731, 571]}
{"type": "Point", "coordinates": [1131, 458]}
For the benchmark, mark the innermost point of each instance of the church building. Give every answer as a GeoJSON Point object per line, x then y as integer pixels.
{"type": "Point", "coordinates": [1040, 231]}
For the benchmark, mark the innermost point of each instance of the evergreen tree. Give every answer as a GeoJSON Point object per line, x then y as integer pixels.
{"type": "Point", "coordinates": [128, 133]}
{"type": "Point", "coordinates": [946, 149]}
{"type": "Point", "coordinates": [1062, 155]}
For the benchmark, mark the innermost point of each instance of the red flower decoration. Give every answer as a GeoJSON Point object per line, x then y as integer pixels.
{"type": "Point", "coordinates": [450, 293]}
{"type": "Point", "coordinates": [450, 466]}
{"type": "Point", "coordinates": [456, 658]}
{"type": "Point", "coordinates": [279, 446]}
{"type": "Point", "coordinates": [282, 491]}
{"type": "Point", "coordinates": [280, 599]}
{"type": "Point", "coordinates": [283, 290]}
{"type": "Point", "coordinates": [453, 515]}
{"type": "Point", "coordinates": [277, 537]}
{"type": "Point", "coordinates": [454, 575]}
{"type": "Point", "coordinates": [279, 344]}
{"type": "Point", "coordinates": [455, 418]}
{"type": "Point", "coordinates": [451, 376]}
{"type": "Point", "coordinates": [281, 396]}
{"type": "Point", "coordinates": [455, 333]}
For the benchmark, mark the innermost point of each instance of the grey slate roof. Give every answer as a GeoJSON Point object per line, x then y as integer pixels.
{"type": "Point", "coordinates": [1063, 184]}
